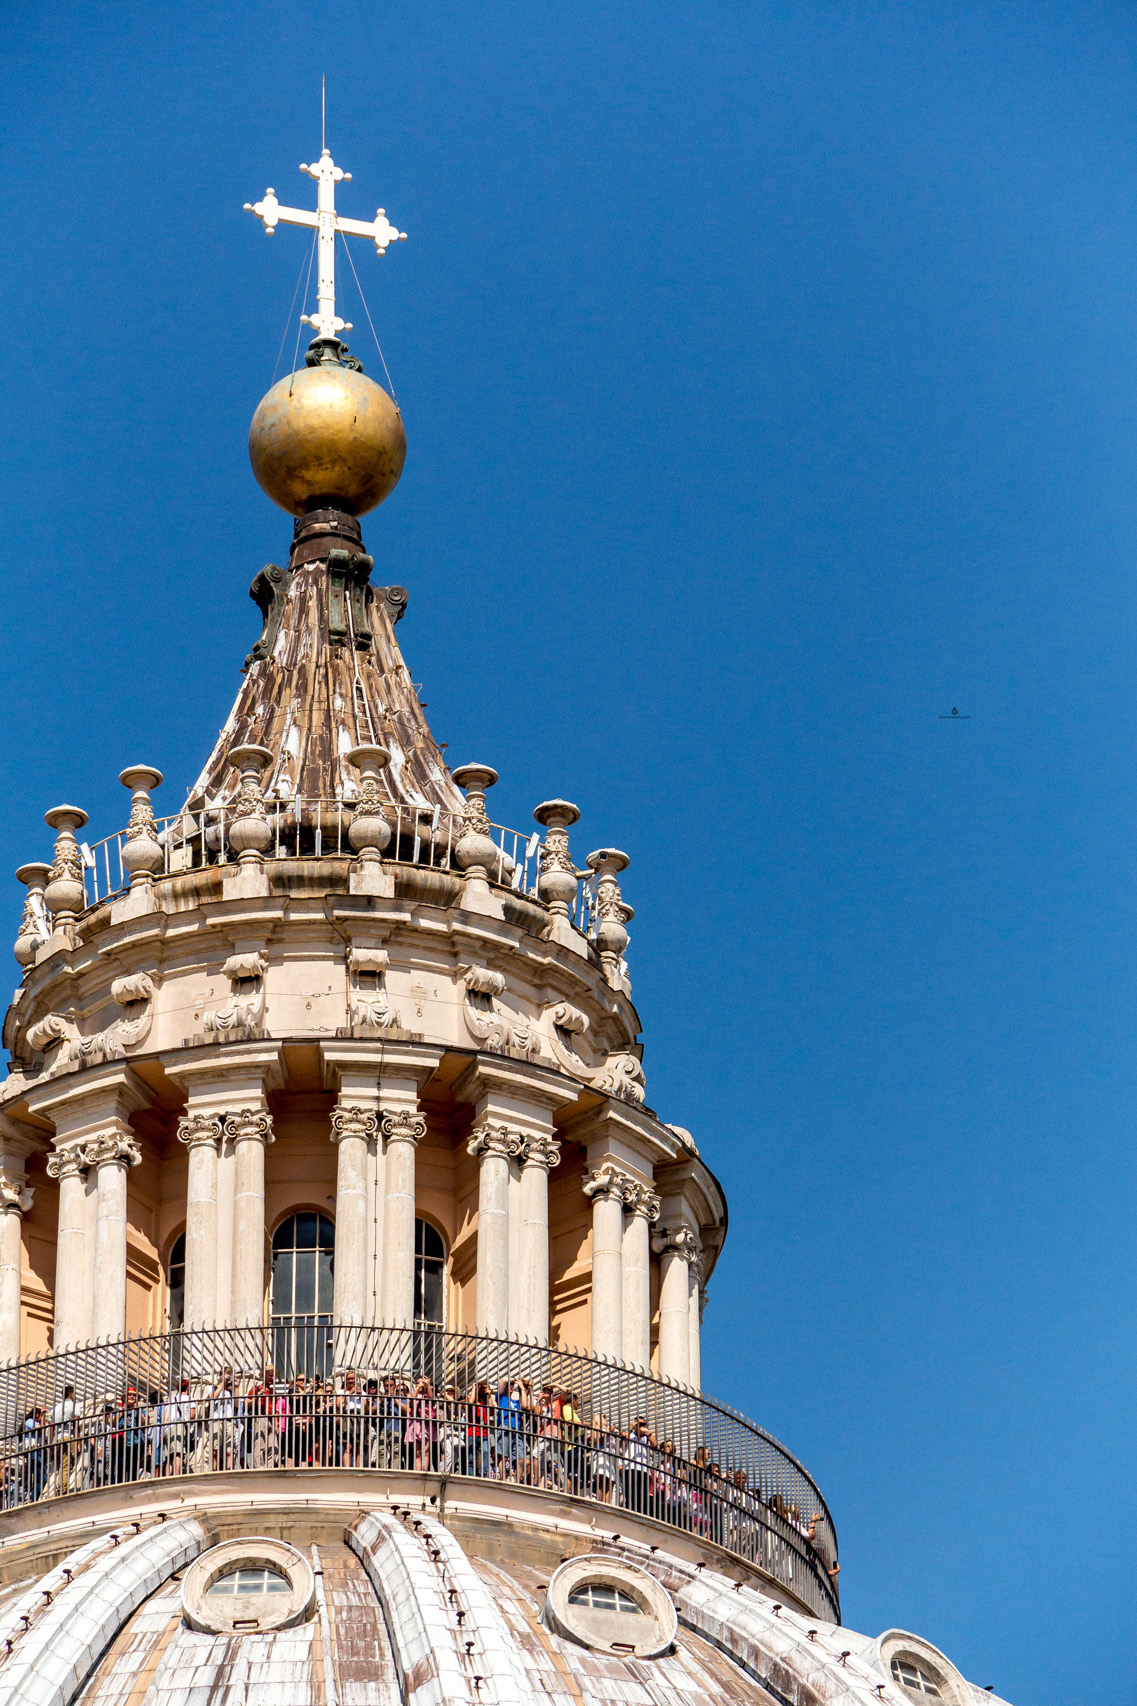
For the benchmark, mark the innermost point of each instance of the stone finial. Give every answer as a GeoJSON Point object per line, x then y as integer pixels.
{"type": "Point", "coordinates": [354, 1122]}
{"type": "Point", "coordinates": [475, 849]}
{"type": "Point", "coordinates": [142, 855]}
{"type": "Point", "coordinates": [611, 911]}
{"type": "Point", "coordinates": [608, 1180]}
{"type": "Point", "coordinates": [492, 1139]}
{"type": "Point", "coordinates": [194, 1129]}
{"type": "Point", "coordinates": [541, 1151]}
{"type": "Point", "coordinates": [66, 894]}
{"type": "Point", "coordinates": [34, 927]}
{"type": "Point", "coordinates": [370, 832]}
{"type": "Point", "coordinates": [255, 1123]}
{"type": "Point", "coordinates": [557, 882]}
{"type": "Point", "coordinates": [399, 1125]}
{"type": "Point", "coordinates": [250, 834]}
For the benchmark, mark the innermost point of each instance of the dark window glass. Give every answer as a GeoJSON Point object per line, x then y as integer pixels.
{"type": "Point", "coordinates": [430, 1272]}
{"type": "Point", "coordinates": [176, 1283]}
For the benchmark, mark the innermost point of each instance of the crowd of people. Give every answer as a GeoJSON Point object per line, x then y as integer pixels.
{"type": "Point", "coordinates": [514, 1431]}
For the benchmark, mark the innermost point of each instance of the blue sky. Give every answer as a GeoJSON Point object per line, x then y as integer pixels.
{"type": "Point", "coordinates": [769, 373]}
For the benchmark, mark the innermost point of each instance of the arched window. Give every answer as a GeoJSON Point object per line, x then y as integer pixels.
{"type": "Point", "coordinates": [176, 1284]}
{"type": "Point", "coordinates": [303, 1259]}
{"type": "Point", "coordinates": [430, 1270]}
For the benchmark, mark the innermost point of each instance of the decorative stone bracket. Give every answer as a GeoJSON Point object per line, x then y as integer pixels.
{"type": "Point", "coordinates": [496, 1031]}
{"type": "Point", "coordinates": [269, 592]}
{"type": "Point", "coordinates": [620, 1074]}
{"type": "Point", "coordinates": [368, 1004]}
{"type": "Point", "coordinates": [59, 1032]}
{"type": "Point", "coordinates": [349, 595]}
{"type": "Point", "coordinates": [243, 1014]}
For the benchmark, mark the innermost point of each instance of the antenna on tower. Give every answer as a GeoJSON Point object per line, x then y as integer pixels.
{"type": "Point", "coordinates": [323, 113]}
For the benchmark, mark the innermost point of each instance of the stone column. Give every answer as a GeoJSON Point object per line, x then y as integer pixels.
{"type": "Point", "coordinates": [642, 1206]}
{"type": "Point", "coordinates": [201, 1133]}
{"type": "Point", "coordinates": [15, 1200]}
{"type": "Point", "coordinates": [539, 1155]}
{"type": "Point", "coordinates": [251, 1131]}
{"type": "Point", "coordinates": [68, 1167]}
{"type": "Point", "coordinates": [606, 1186]}
{"type": "Point", "coordinates": [494, 1146]}
{"type": "Point", "coordinates": [678, 1248]}
{"type": "Point", "coordinates": [110, 1155]}
{"type": "Point", "coordinates": [695, 1302]}
{"type": "Point", "coordinates": [353, 1127]}
{"type": "Point", "coordinates": [402, 1129]}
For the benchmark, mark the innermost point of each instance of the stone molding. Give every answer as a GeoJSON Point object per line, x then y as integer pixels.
{"type": "Point", "coordinates": [355, 1121]}
{"type": "Point", "coordinates": [680, 1239]}
{"type": "Point", "coordinates": [14, 1195]}
{"type": "Point", "coordinates": [609, 1181]}
{"type": "Point", "coordinates": [195, 1129]}
{"type": "Point", "coordinates": [250, 1123]}
{"type": "Point", "coordinates": [66, 1163]}
{"type": "Point", "coordinates": [398, 1125]}
{"type": "Point", "coordinates": [541, 1151]}
{"type": "Point", "coordinates": [112, 1147]}
{"type": "Point", "coordinates": [492, 1139]}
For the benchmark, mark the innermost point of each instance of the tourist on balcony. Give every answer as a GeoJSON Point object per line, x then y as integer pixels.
{"type": "Point", "coordinates": [422, 1426]}
{"type": "Point", "coordinates": [34, 1440]}
{"type": "Point", "coordinates": [389, 1417]}
{"type": "Point", "coordinates": [63, 1424]}
{"type": "Point", "coordinates": [547, 1465]}
{"type": "Point", "coordinates": [451, 1452]}
{"type": "Point", "coordinates": [223, 1422]}
{"type": "Point", "coordinates": [323, 1421]}
{"type": "Point", "coordinates": [638, 1460]}
{"type": "Point", "coordinates": [349, 1408]}
{"type": "Point", "coordinates": [479, 1413]}
{"type": "Point", "coordinates": [509, 1447]}
{"type": "Point", "coordinates": [670, 1507]}
{"type": "Point", "coordinates": [815, 1534]}
{"type": "Point", "coordinates": [572, 1446]}
{"type": "Point", "coordinates": [170, 1451]}
{"type": "Point", "coordinates": [104, 1451]}
{"type": "Point", "coordinates": [299, 1437]}
{"type": "Point", "coordinates": [605, 1460]}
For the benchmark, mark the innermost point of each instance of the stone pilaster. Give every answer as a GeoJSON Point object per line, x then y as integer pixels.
{"type": "Point", "coordinates": [641, 1206]}
{"type": "Point", "coordinates": [678, 1249]}
{"type": "Point", "coordinates": [201, 1134]}
{"type": "Point", "coordinates": [72, 1326]}
{"type": "Point", "coordinates": [354, 1129]}
{"type": "Point", "coordinates": [250, 1132]}
{"type": "Point", "coordinates": [606, 1187]}
{"type": "Point", "coordinates": [539, 1155]}
{"type": "Point", "coordinates": [15, 1200]}
{"type": "Point", "coordinates": [110, 1154]}
{"type": "Point", "coordinates": [494, 1146]}
{"type": "Point", "coordinates": [403, 1129]}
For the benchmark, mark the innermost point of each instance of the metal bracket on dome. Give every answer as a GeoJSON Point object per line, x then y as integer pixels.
{"type": "Point", "coordinates": [269, 593]}
{"type": "Point", "coordinates": [348, 590]}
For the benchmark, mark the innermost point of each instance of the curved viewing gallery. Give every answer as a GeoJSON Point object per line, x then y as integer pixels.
{"type": "Point", "coordinates": [424, 1401]}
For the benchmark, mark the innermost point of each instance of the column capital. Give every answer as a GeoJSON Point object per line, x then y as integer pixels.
{"type": "Point", "coordinates": [641, 1199]}
{"type": "Point", "coordinates": [399, 1125]}
{"type": "Point", "coordinates": [609, 1181]}
{"type": "Point", "coordinates": [355, 1121]}
{"type": "Point", "coordinates": [66, 1163]}
{"type": "Point", "coordinates": [492, 1139]}
{"type": "Point", "coordinates": [250, 1123]}
{"type": "Point", "coordinates": [680, 1239]}
{"type": "Point", "coordinates": [14, 1195]}
{"type": "Point", "coordinates": [194, 1129]}
{"type": "Point", "coordinates": [114, 1147]}
{"type": "Point", "coordinates": [540, 1152]}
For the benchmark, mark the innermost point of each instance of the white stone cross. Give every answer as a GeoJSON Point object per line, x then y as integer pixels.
{"type": "Point", "coordinates": [326, 222]}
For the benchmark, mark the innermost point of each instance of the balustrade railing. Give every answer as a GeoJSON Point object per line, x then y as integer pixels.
{"type": "Point", "coordinates": [315, 828]}
{"type": "Point", "coordinates": [418, 1399]}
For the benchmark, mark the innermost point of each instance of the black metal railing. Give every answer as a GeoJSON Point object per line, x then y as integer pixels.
{"type": "Point", "coordinates": [418, 1399]}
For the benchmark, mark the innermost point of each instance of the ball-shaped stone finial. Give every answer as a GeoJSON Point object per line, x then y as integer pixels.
{"type": "Point", "coordinates": [327, 437]}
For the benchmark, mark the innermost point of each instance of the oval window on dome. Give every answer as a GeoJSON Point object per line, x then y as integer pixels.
{"type": "Point", "coordinates": [912, 1676]}
{"type": "Point", "coordinates": [249, 1579]}
{"type": "Point", "coordinates": [605, 1596]}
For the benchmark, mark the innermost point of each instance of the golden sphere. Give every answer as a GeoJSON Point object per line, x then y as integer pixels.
{"type": "Point", "coordinates": [327, 437]}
